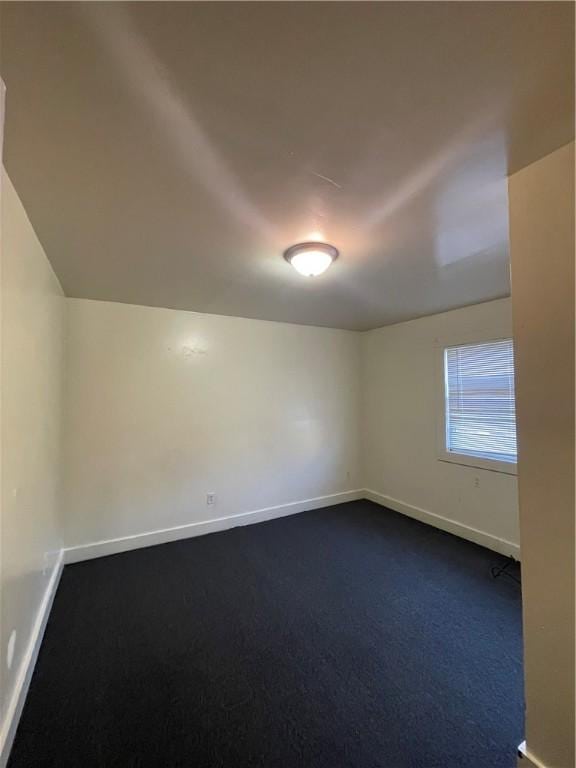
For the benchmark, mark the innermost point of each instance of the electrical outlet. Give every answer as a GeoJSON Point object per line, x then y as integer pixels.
{"type": "Point", "coordinates": [210, 499]}
{"type": "Point", "coordinates": [476, 482]}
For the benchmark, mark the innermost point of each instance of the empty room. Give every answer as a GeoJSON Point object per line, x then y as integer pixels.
{"type": "Point", "coordinates": [287, 385]}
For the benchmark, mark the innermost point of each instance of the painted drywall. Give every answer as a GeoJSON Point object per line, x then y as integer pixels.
{"type": "Point", "coordinates": [164, 407]}
{"type": "Point", "coordinates": [32, 362]}
{"type": "Point", "coordinates": [542, 252]}
{"type": "Point", "coordinates": [401, 374]}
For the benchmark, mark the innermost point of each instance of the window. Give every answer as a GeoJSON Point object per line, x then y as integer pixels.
{"type": "Point", "coordinates": [480, 418]}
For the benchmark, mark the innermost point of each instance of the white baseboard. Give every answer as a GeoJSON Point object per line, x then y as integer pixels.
{"type": "Point", "coordinates": [24, 675]}
{"type": "Point", "coordinates": [164, 535]}
{"type": "Point", "coordinates": [458, 529]}
{"type": "Point", "coordinates": [527, 759]}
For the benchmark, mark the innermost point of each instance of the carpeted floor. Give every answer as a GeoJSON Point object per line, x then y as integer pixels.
{"type": "Point", "coordinates": [349, 637]}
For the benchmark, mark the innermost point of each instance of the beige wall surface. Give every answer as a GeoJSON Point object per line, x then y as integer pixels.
{"type": "Point", "coordinates": [164, 407]}
{"type": "Point", "coordinates": [542, 250]}
{"type": "Point", "coordinates": [32, 362]}
{"type": "Point", "coordinates": [401, 420]}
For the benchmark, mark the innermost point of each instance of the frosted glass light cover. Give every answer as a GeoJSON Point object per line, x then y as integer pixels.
{"type": "Point", "coordinates": [311, 259]}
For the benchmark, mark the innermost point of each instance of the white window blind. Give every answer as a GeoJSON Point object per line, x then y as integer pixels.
{"type": "Point", "coordinates": [480, 411]}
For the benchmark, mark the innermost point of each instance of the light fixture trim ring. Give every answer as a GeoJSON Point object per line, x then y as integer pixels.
{"type": "Point", "coordinates": [311, 245]}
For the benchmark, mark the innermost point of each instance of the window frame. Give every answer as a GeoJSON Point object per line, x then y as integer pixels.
{"type": "Point", "coordinates": [450, 457]}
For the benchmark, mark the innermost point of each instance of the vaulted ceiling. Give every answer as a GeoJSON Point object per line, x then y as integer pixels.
{"type": "Point", "coordinates": [167, 153]}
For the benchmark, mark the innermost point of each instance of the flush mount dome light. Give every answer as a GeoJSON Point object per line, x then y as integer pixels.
{"type": "Point", "coordinates": [312, 258]}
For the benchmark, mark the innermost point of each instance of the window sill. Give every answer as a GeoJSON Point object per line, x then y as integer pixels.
{"type": "Point", "coordinates": [502, 467]}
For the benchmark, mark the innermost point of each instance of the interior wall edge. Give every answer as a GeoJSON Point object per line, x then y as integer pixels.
{"type": "Point", "coordinates": [488, 540]}
{"type": "Point", "coordinates": [164, 535]}
{"type": "Point", "coordinates": [542, 244]}
{"type": "Point", "coordinates": [16, 703]}
{"type": "Point", "coordinates": [54, 275]}
{"type": "Point", "coordinates": [527, 759]}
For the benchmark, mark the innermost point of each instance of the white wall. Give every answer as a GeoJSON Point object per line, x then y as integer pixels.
{"type": "Point", "coordinates": [401, 384]}
{"type": "Point", "coordinates": [32, 352]}
{"type": "Point", "coordinates": [164, 406]}
{"type": "Point", "coordinates": [542, 247]}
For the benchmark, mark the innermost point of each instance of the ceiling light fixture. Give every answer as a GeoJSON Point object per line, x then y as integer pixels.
{"type": "Point", "coordinates": [311, 258]}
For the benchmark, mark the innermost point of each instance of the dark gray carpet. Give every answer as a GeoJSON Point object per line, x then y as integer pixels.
{"type": "Point", "coordinates": [349, 637]}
